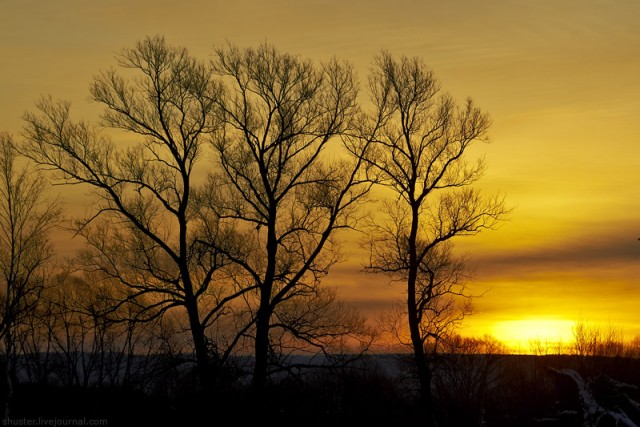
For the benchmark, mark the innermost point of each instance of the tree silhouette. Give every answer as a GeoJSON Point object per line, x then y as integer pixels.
{"type": "Point", "coordinates": [418, 137]}
{"type": "Point", "coordinates": [26, 219]}
{"type": "Point", "coordinates": [287, 188]}
{"type": "Point", "coordinates": [144, 230]}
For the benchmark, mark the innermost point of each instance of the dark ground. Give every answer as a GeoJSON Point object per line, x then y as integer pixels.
{"type": "Point", "coordinates": [497, 390]}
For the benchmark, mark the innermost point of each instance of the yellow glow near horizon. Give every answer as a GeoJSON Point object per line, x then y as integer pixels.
{"type": "Point", "coordinates": [523, 335]}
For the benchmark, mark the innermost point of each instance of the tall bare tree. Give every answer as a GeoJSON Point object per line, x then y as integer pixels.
{"type": "Point", "coordinates": [442, 298]}
{"type": "Point", "coordinates": [26, 219]}
{"type": "Point", "coordinates": [418, 137]}
{"type": "Point", "coordinates": [288, 188]}
{"type": "Point", "coordinates": [144, 229]}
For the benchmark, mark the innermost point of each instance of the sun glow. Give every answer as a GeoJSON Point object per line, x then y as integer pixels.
{"type": "Point", "coordinates": [534, 334]}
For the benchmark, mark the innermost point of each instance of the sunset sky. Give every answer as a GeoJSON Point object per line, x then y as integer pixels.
{"type": "Point", "coordinates": [560, 80]}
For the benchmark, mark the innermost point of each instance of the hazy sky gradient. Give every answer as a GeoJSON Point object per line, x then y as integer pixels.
{"type": "Point", "coordinates": [559, 79]}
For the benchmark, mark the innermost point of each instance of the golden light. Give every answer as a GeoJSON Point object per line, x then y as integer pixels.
{"type": "Point", "coordinates": [534, 334]}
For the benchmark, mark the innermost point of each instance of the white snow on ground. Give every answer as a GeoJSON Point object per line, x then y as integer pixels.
{"type": "Point", "coordinates": [591, 409]}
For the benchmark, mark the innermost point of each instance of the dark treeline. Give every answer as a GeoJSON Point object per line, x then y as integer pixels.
{"type": "Point", "coordinates": [218, 192]}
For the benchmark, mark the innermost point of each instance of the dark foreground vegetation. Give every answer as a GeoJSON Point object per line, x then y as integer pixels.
{"type": "Point", "coordinates": [469, 390]}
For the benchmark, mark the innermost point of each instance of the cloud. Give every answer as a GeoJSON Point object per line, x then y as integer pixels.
{"type": "Point", "coordinates": [604, 254]}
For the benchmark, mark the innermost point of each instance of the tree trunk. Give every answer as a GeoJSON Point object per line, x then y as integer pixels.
{"type": "Point", "coordinates": [263, 319]}
{"type": "Point", "coordinates": [200, 344]}
{"type": "Point", "coordinates": [191, 301]}
{"type": "Point", "coordinates": [423, 368]}
{"type": "Point", "coordinates": [261, 348]}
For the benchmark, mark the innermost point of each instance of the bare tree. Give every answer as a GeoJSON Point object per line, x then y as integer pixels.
{"type": "Point", "coordinates": [466, 376]}
{"type": "Point", "coordinates": [591, 340]}
{"type": "Point", "coordinates": [418, 137]}
{"type": "Point", "coordinates": [143, 231]}
{"type": "Point", "coordinates": [287, 187]}
{"type": "Point", "coordinates": [442, 300]}
{"type": "Point", "coordinates": [26, 219]}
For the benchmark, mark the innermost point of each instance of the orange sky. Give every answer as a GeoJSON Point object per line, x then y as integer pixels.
{"type": "Point", "coordinates": [560, 82]}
